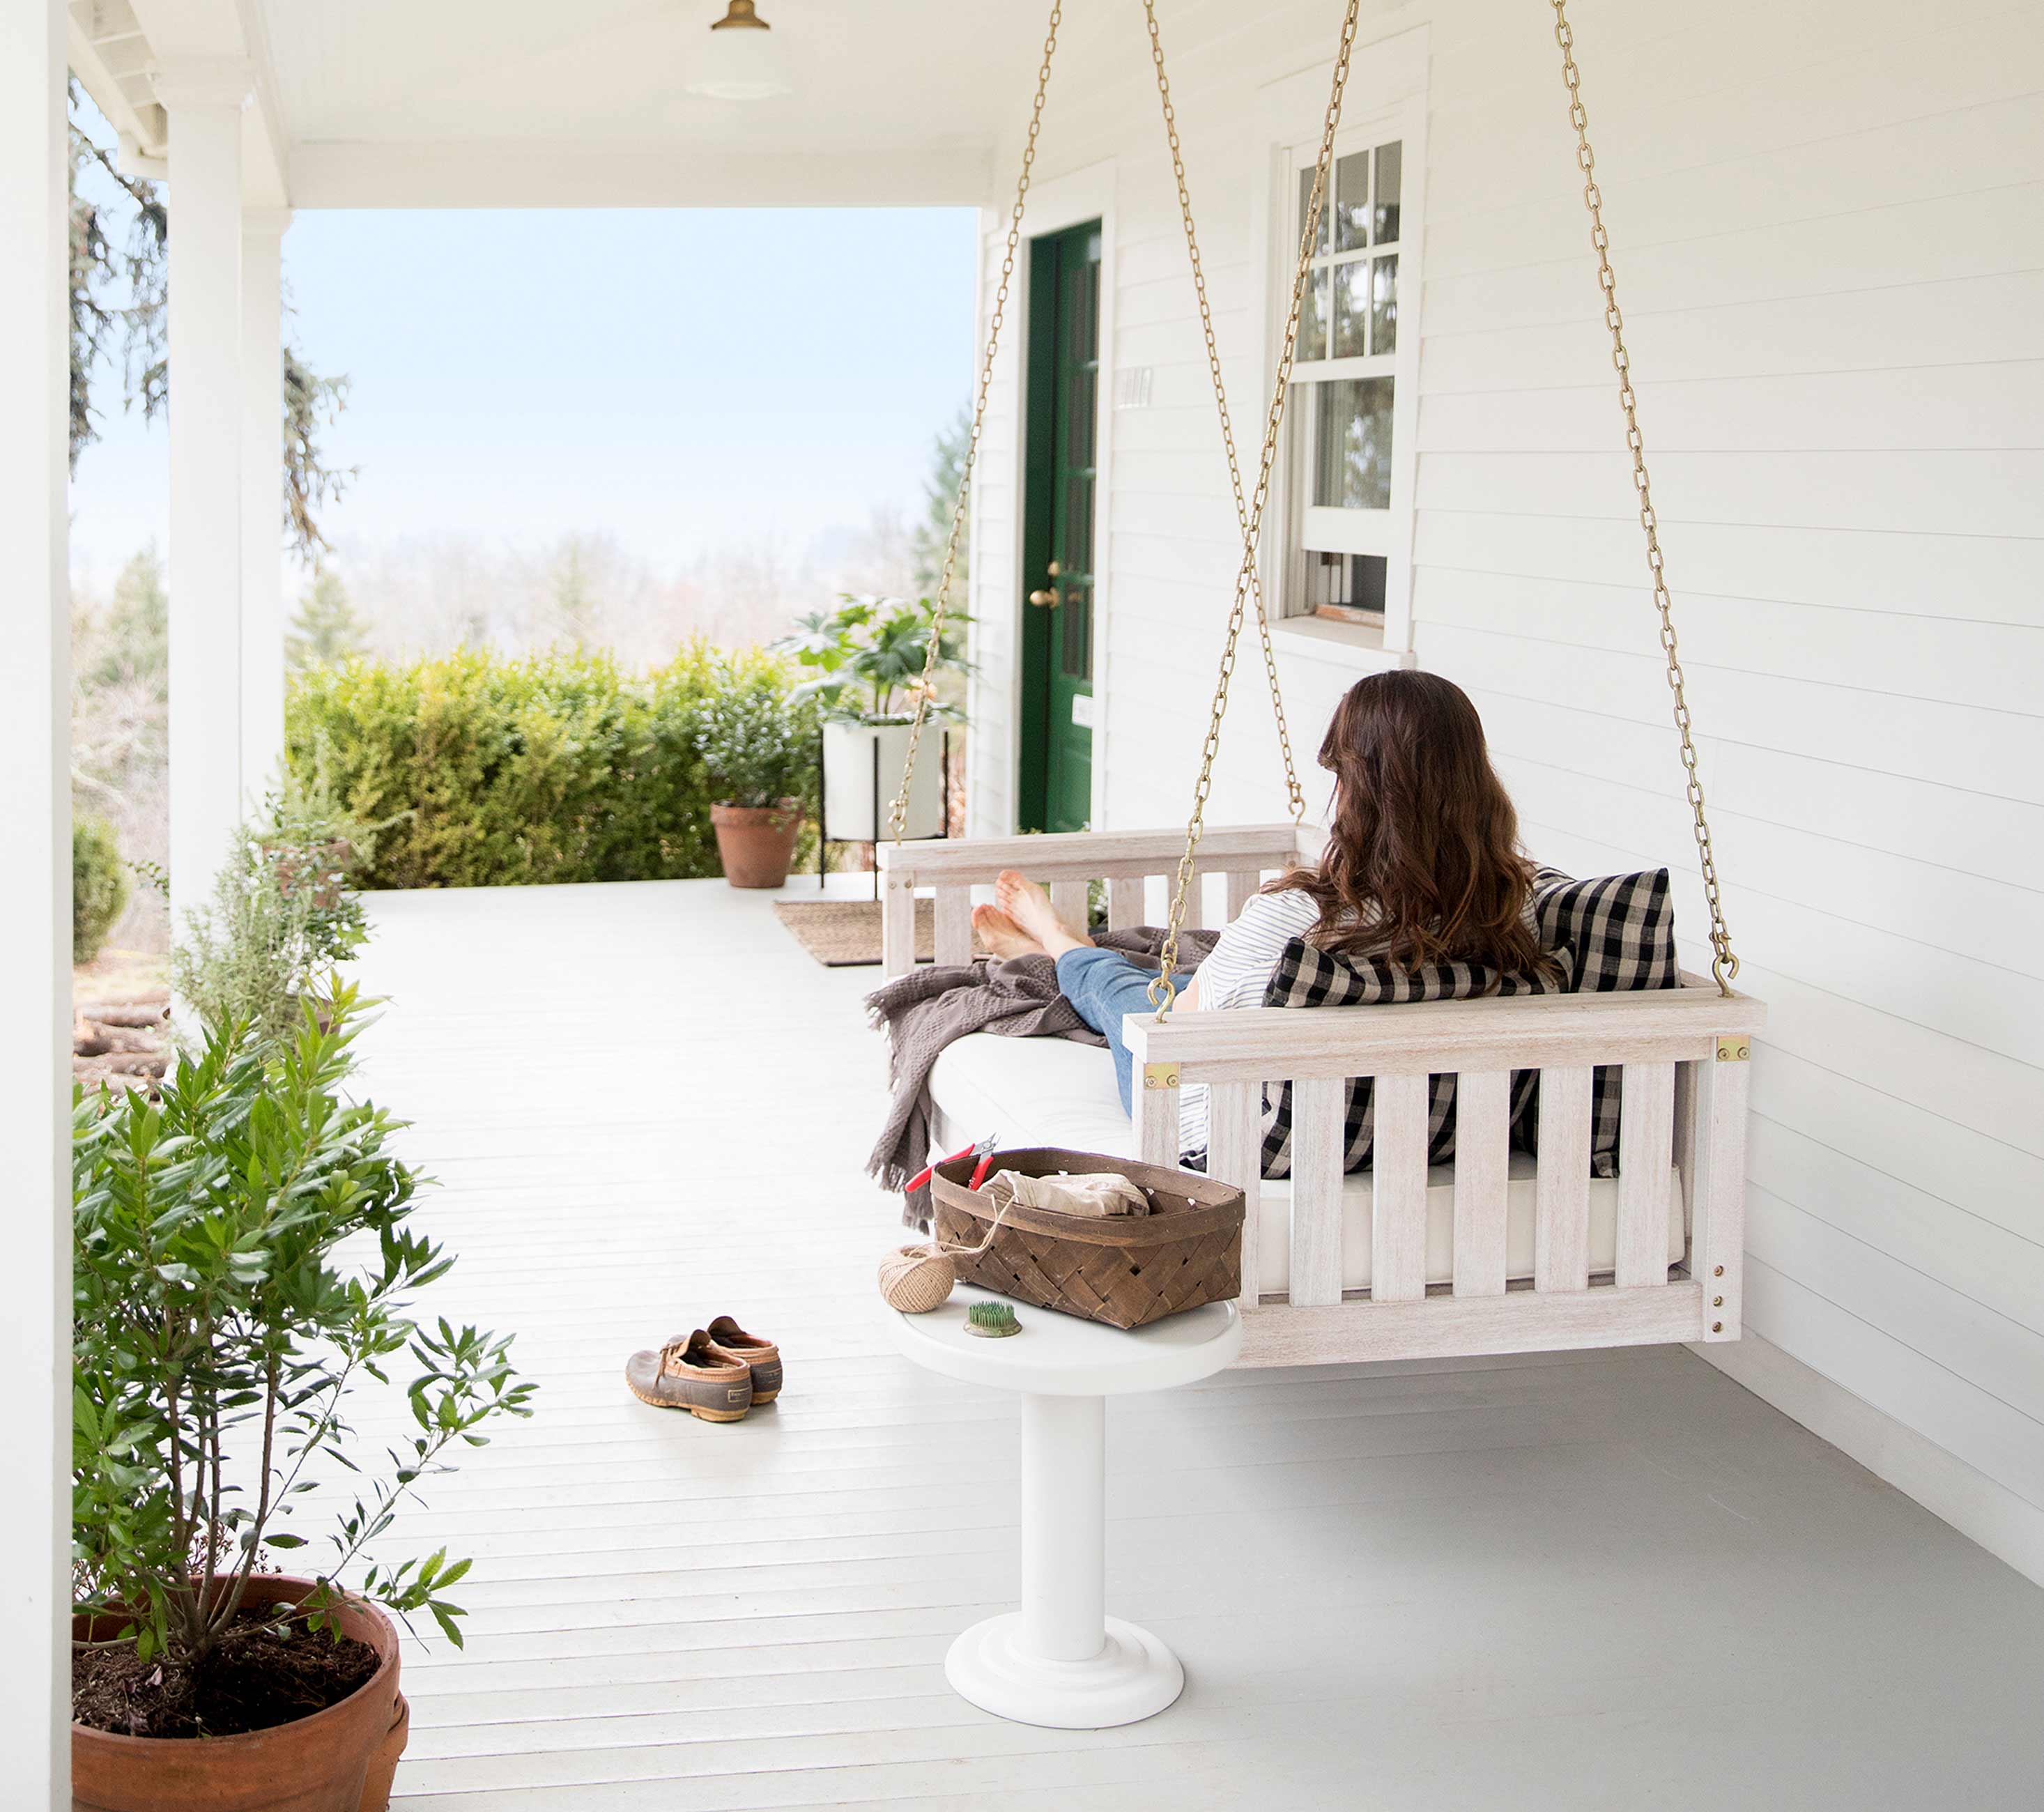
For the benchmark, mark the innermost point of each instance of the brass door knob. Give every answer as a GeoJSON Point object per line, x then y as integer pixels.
{"type": "Point", "coordinates": [1042, 600]}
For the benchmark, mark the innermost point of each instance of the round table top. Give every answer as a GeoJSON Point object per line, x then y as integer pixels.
{"type": "Point", "coordinates": [1060, 1356]}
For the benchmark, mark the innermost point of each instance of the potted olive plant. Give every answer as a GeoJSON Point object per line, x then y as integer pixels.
{"type": "Point", "coordinates": [242, 1261]}
{"type": "Point", "coordinates": [757, 740]}
{"type": "Point", "coordinates": [868, 657]}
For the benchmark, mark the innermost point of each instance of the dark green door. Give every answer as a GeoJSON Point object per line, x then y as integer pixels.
{"type": "Point", "coordinates": [1058, 551]}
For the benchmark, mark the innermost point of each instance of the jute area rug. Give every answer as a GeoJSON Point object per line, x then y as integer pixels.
{"type": "Point", "coordinates": [845, 934]}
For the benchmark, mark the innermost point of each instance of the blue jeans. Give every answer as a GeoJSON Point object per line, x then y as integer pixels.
{"type": "Point", "coordinates": [1105, 986]}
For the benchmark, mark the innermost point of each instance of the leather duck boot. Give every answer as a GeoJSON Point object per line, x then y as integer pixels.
{"type": "Point", "coordinates": [692, 1372]}
{"type": "Point", "coordinates": [763, 1356]}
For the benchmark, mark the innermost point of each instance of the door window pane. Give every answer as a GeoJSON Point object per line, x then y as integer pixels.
{"type": "Point", "coordinates": [1351, 201]}
{"type": "Point", "coordinates": [1352, 449]}
{"type": "Point", "coordinates": [1383, 302]}
{"type": "Point", "coordinates": [1075, 627]}
{"type": "Point", "coordinates": [1352, 309]}
{"type": "Point", "coordinates": [1389, 158]}
{"type": "Point", "coordinates": [1306, 202]}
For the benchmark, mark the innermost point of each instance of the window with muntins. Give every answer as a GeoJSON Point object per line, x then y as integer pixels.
{"type": "Point", "coordinates": [1344, 385]}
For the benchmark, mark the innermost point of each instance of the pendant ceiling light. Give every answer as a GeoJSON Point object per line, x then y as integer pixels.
{"type": "Point", "coordinates": [742, 61]}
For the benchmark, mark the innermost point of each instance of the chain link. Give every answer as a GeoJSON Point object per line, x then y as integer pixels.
{"type": "Point", "coordinates": [1724, 964]}
{"type": "Point", "coordinates": [898, 812]}
{"type": "Point", "coordinates": [1163, 991]}
{"type": "Point", "coordinates": [1292, 787]}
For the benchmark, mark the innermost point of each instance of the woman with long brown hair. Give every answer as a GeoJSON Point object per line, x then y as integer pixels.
{"type": "Point", "coordinates": [1422, 865]}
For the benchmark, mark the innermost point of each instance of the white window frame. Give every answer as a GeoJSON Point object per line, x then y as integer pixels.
{"type": "Point", "coordinates": [1335, 529]}
{"type": "Point", "coordinates": [1386, 100]}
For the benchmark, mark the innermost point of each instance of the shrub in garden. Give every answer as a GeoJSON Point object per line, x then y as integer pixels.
{"type": "Point", "coordinates": [98, 886]}
{"type": "Point", "coordinates": [758, 740]}
{"type": "Point", "coordinates": [499, 771]}
{"type": "Point", "coordinates": [280, 918]}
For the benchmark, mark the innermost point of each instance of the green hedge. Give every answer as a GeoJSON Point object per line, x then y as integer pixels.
{"type": "Point", "coordinates": [502, 772]}
{"type": "Point", "coordinates": [98, 886]}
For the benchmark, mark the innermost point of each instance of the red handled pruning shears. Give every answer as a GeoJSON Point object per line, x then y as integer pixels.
{"type": "Point", "coordinates": [983, 1150]}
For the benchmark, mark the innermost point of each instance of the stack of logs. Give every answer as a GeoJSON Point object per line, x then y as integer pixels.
{"type": "Point", "coordinates": [124, 1043]}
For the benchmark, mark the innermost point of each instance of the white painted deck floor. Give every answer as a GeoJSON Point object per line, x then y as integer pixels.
{"type": "Point", "coordinates": [1612, 1581]}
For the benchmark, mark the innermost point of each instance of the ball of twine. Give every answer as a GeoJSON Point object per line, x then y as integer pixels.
{"type": "Point", "coordinates": [915, 1279]}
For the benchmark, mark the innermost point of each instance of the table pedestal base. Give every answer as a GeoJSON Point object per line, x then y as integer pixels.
{"type": "Point", "coordinates": [1133, 1676]}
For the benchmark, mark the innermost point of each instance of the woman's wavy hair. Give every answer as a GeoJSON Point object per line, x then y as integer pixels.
{"type": "Point", "coordinates": [1423, 863]}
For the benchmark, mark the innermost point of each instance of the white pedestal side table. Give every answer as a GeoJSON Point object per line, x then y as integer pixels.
{"type": "Point", "coordinates": [1061, 1661]}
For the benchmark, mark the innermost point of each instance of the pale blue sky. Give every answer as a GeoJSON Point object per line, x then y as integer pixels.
{"type": "Point", "coordinates": [685, 379]}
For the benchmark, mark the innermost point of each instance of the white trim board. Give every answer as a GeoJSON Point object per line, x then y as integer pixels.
{"type": "Point", "coordinates": [2008, 1526]}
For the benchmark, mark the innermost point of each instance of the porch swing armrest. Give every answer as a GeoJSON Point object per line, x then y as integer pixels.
{"type": "Point", "coordinates": [1087, 855]}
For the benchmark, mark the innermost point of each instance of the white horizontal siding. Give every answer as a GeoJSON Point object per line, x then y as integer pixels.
{"type": "Point", "coordinates": [1831, 258]}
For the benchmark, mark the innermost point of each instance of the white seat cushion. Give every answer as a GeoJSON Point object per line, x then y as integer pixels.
{"type": "Point", "coordinates": [1053, 1092]}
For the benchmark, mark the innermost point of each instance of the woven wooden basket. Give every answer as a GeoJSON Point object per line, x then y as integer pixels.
{"type": "Point", "coordinates": [1124, 1270]}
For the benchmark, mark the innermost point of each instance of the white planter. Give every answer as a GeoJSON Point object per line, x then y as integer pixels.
{"type": "Point", "coordinates": [848, 758]}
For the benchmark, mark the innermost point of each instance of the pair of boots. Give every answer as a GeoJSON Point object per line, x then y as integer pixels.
{"type": "Point", "coordinates": [719, 1373]}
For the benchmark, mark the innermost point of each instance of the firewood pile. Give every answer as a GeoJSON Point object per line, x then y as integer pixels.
{"type": "Point", "coordinates": [123, 1043]}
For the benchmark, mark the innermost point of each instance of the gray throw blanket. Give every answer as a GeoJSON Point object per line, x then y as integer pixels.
{"type": "Point", "coordinates": [1017, 996]}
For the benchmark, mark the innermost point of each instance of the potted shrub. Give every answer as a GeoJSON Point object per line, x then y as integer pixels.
{"type": "Point", "coordinates": [218, 1333]}
{"type": "Point", "coordinates": [868, 656]}
{"type": "Point", "coordinates": [757, 742]}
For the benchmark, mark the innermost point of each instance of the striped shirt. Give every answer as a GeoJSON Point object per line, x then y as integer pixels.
{"type": "Point", "coordinates": [1235, 974]}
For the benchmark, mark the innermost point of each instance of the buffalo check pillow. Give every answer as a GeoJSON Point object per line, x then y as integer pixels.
{"type": "Point", "coordinates": [1612, 932]}
{"type": "Point", "coordinates": [1306, 977]}
{"type": "Point", "coordinates": [1619, 932]}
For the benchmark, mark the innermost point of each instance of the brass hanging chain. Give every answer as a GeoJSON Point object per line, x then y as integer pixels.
{"type": "Point", "coordinates": [1724, 965]}
{"type": "Point", "coordinates": [897, 813]}
{"type": "Point", "coordinates": [1163, 991]}
{"type": "Point", "coordinates": [1292, 787]}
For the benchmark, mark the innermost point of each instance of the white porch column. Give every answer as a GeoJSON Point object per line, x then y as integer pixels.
{"type": "Point", "coordinates": [203, 99]}
{"type": "Point", "coordinates": [35, 910]}
{"type": "Point", "coordinates": [262, 509]}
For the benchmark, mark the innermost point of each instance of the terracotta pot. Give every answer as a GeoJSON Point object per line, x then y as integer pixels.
{"type": "Point", "coordinates": [323, 866]}
{"type": "Point", "coordinates": [339, 1759]}
{"type": "Point", "coordinates": [756, 844]}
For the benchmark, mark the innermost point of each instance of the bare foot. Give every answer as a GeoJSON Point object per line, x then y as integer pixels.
{"type": "Point", "coordinates": [1028, 906]}
{"type": "Point", "coordinates": [1002, 936]}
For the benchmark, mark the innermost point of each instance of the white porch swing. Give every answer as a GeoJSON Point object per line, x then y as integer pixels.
{"type": "Point", "coordinates": [1499, 1252]}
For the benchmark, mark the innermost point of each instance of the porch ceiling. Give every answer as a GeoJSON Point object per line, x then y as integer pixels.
{"type": "Point", "coordinates": [388, 103]}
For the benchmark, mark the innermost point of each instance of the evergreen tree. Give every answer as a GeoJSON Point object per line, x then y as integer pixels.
{"type": "Point", "coordinates": [132, 641]}
{"type": "Point", "coordinates": [325, 630]}
{"type": "Point", "coordinates": [940, 490]}
{"type": "Point", "coordinates": [574, 593]}
{"type": "Point", "coordinates": [120, 266]}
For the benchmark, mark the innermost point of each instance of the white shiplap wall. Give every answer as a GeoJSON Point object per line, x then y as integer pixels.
{"type": "Point", "coordinates": [1829, 228]}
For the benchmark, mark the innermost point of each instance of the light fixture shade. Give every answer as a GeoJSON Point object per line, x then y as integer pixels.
{"type": "Point", "coordinates": [742, 61]}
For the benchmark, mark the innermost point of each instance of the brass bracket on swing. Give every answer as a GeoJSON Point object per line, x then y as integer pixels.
{"type": "Point", "coordinates": [1160, 1076]}
{"type": "Point", "coordinates": [1733, 1048]}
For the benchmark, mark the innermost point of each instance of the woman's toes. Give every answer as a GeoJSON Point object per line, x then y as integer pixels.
{"type": "Point", "coordinates": [1023, 900]}
{"type": "Point", "coordinates": [999, 933]}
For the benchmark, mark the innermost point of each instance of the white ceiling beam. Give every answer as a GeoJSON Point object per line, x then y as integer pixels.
{"type": "Point", "coordinates": [185, 31]}
{"type": "Point", "coordinates": [103, 66]}
{"type": "Point", "coordinates": [540, 175]}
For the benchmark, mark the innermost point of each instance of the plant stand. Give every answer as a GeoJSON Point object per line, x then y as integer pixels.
{"type": "Point", "coordinates": [1060, 1660]}
{"type": "Point", "coordinates": [823, 819]}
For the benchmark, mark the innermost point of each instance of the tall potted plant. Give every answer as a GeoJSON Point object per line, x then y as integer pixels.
{"type": "Point", "coordinates": [218, 1333]}
{"type": "Point", "coordinates": [868, 657]}
{"type": "Point", "coordinates": [757, 740]}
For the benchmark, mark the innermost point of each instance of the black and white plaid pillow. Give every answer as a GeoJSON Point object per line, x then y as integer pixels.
{"type": "Point", "coordinates": [1309, 977]}
{"type": "Point", "coordinates": [1619, 932]}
